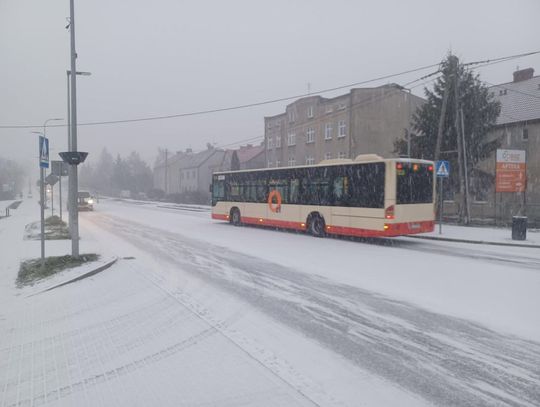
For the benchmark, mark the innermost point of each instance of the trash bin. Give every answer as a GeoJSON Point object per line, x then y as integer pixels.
{"type": "Point", "coordinates": [519, 227]}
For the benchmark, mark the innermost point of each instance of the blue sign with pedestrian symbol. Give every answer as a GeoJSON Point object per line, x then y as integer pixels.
{"type": "Point", "coordinates": [442, 169]}
{"type": "Point", "coordinates": [43, 152]}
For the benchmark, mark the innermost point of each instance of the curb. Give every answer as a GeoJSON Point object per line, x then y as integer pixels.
{"type": "Point", "coordinates": [449, 239]}
{"type": "Point", "coordinates": [78, 278]}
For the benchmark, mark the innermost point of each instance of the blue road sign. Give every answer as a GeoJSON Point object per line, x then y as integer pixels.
{"type": "Point", "coordinates": [43, 152]}
{"type": "Point", "coordinates": [442, 169]}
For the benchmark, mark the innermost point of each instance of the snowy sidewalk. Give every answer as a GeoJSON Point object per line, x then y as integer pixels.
{"type": "Point", "coordinates": [482, 235]}
{"type": "Point", "coordinates": [116, 338]}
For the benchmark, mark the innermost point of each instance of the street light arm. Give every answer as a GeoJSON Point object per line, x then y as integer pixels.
{"type": "Point", "coordinates": [45, 124]}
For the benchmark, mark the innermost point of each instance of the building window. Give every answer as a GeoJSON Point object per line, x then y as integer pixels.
{"type": "Point", "coordinates": [270, 142]}
{"type": "Point", "coordinates": [327, 156]}
{"type": "Point", "coordinates": [310, 160]}
{"type": "Point", "coordinates": [269, 125]}
{"type": "Point", "coordinates": [329, 109]}
{"type": "Point", "coordinates": [328, 131]}
{"type": "Point", "coordinates": [310, 135]}
{"type": "Point", "coordinates": [341, 106]}
{"type": "Point", "coordinates": [342, 154]}
{"type": "Point", "coordinates": [278, 163]}
{"type": "Point", "coordinates": [310, 112]}
{"type": "Point", "coordinates": [291, 139]}
{"type": "Point", "coordinates": [341, 128]}
{"type": "Point", "coordinates": [525, 134]}
{"type": "Point", "coordinates": [292, 116]}
{"type": "Point", "coordinates": [292, 161]}
{"type": "Point", "coordinates": [278, 142]}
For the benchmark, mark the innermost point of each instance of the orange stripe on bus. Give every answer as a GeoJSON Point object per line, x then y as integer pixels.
{"type": "Point", "coordinates": [393, 229]}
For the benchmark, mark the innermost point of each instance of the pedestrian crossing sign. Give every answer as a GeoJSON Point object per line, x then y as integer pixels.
{"type": "Point", "coordinates": [43, 152]}
{"type": "Point", "coordinates": [442, 169]}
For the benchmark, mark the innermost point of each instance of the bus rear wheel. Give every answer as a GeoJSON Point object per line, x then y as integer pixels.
{"type": "Point", "coordinates": [316, 226]}
{"type": "Point", "coordinates": [236, 220]}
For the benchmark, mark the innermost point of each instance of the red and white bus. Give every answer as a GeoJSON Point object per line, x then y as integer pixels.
{"type": "Point", "coordinates": [369, 196]}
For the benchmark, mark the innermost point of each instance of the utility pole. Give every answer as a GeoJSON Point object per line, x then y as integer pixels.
{"type": "Point", "coordinates": [73, 182]}
{"type": "Point", "coordinates": [69, 149]}
{"type": "Point", "coordinates": [408, 130]}
{"type": "Point", "coordinates": [464, 145]}
{"type": "Point", "coordinates": [166, 171]}
{"type": "Point", "coordinates": [441, 122]}
{"type": "Point", "coordinates": [457, 126]}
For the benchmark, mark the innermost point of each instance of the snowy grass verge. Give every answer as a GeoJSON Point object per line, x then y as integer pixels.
{"type": "Point", "coordinates": [32, 270]}
{"type": "Point", "coordinates": [55, 229]}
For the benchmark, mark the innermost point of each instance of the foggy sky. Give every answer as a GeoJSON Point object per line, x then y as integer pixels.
{"type": "Point", "coordinates": [163, 57]}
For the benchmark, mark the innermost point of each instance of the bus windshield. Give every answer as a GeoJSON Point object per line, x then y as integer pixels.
{"type": "Point", "coordinates": [414, 183]}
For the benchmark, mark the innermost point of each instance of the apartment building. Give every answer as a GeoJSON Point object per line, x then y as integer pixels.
{"type": "Point", "coordinates": [365, 120]}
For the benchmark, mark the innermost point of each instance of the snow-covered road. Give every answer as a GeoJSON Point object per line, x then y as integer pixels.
{"type": "Point", "coordinates": [198, 312]}
{"type": "Point", "coordinates": [444, 359]}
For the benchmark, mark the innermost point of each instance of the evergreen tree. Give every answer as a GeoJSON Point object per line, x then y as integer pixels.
{"type": "Point", "coordinates": [11, 178]}
{"type": "Point", "coordinates": [103, 172]}
{"type": "Point", "coordinates": [480, 112]}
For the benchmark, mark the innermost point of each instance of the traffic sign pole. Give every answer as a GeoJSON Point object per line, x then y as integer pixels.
{"type": "Point", "coordinates": [42, 210]}
{"type": "Point", "coordinates": [442, 170]}
{"type": "Point", "coordinates": [60, 191]}
{"type": "Point", "coordinates": [441, 204]}
{"type": "Point", "coordinates": [43, 163]}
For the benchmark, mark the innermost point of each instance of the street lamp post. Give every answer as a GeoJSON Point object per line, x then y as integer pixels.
{"type": "Point", "coordinates": [73, 187]}
{"type": "Point", "coordinates": [68, 74]}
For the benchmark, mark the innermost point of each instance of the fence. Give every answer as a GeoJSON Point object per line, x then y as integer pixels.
{"type": "Point", "coordinates": [491, 213]}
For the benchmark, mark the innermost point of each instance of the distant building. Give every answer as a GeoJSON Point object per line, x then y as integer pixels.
{"type": "Point", "coordinates": [518, 128]}
{"type": "Point", "coordinates": [250, 157]}
{"type": "Point", "coordinates": [313, 128]}
{"type": "Point", "coordinates": [189, 173]}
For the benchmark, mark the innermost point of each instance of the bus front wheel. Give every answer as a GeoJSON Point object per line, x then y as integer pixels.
{"type": "Point", "coordinates": [235, 217]}
{"type": "Point", "coordinates": [316, 226]}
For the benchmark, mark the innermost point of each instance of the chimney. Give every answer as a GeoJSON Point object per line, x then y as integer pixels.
{"type": "Point", "coordinates": [523, 74]}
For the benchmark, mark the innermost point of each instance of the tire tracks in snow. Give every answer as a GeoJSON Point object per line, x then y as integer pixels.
{"type": "Point", "coordinates": [446, 360]}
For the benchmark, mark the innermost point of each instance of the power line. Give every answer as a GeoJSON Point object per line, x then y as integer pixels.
{"type": "Point", "coordinates": [502, 59]}
{"type": "Point", "coordinates": [237, 107]}
{"type": "Point", "coordinates": [240, 141]}
{"type": "Point", "coordinates": [283, 99]}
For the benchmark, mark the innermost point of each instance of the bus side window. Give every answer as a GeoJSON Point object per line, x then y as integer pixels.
{"type": "Point", "coordinates": [368, 185]}
{"type": "Point", "coordinates": [341, 192]}
{"type": "Point", "coordinates": [261, 191]}
{"type": "Point", "coordinates": [294, 191]}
